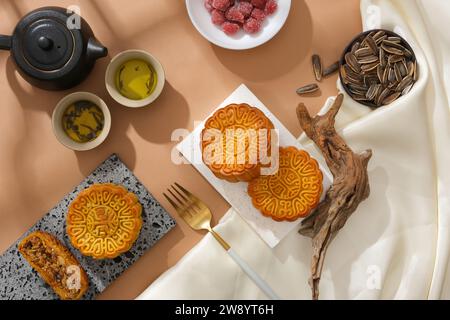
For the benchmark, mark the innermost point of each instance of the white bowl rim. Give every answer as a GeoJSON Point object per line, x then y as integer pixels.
{"type": "Point", "coordinates": [63, 138]}
{"type": "Point", "coordinates": [230, 47]}
{"type": "Point", "coordinates": [124, 101]}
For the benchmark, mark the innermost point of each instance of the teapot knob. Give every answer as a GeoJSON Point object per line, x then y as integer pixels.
{"type": "Point", "coordinates": [45, 43]}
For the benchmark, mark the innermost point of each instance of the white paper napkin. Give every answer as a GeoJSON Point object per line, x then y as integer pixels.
{"type": "Point", "coordinates": [270, 231]}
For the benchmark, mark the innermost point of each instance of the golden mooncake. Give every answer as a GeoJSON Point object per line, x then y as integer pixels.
{"type": "Point", "coordinates": [104, 221]}
{"type": "Point", "coordinates": [293, 192]}
{"type": "Point", "coordinates": [55, 264]}
{"type": "Point", "coordinates": [238, 156]}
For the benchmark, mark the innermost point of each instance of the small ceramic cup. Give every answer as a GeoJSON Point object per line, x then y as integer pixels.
{"type": "Point", "coordinates": [118, 61]}
{"type": "Point", "coordinates": [58, 130]}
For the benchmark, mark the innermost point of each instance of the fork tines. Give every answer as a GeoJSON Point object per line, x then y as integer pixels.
{"type": "Point", "coordinates": [181, 198]}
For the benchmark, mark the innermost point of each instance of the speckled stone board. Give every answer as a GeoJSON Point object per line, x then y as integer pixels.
{"type": "Point", "coordinates": [19, 281]}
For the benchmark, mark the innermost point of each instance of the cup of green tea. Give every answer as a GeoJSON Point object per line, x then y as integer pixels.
{"type": "Point", "coordinates": [135, 78]}
{"type": "Point", "coordinates": [81, 121]}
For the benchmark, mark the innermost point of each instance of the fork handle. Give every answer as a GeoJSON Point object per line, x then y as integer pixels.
{"type": "Point", "coordinates": [253, 275]}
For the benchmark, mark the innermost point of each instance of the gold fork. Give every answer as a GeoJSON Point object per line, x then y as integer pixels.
{"type": "Point", "coordinates": [198, 216]}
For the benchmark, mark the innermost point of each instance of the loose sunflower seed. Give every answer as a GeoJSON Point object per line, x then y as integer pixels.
{"type": "Point", "coordinates": [331, 69]}
{"type": "Point", "coordinates": [317, 67]}
{"type": "Point", "coordinates": [310, 88]}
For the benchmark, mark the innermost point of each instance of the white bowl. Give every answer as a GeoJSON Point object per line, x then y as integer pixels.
{"type": "Point", "coordinates": [60, 134]}
{"type": "Point", "coordinates": [119, 60]}
{"type": "Point", "coordinates": [201, 19]}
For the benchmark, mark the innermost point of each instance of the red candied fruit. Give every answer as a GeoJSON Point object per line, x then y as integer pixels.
{"type": "Point", "coordinates": [260, 4]}
{"type": "Point", "coordinates": [252, 25]}
{"type": "Point", "coordinates": [221, 5]}
{"type": "Point", "coordinates": [245, 8]}
{"type": "Point", "coordinates": [208, 5]}
{"type": "Point", "coordinates": [230, 28]}
{"type": "Point", "coordinates": [233, 14]}
{"type": "Point", "coordinates": [258, 14]}
{"type": "Point", "coordinates": [271, 7]}
{"type": "Point", "coordinates": [217, 17]}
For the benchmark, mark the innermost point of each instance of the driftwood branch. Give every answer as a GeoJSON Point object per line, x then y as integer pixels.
{"type": "Point", "coordinates": [349, 189]}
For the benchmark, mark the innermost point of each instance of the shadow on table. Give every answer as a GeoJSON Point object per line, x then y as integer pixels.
{"type": "Point", "coordinates": [277, 57]}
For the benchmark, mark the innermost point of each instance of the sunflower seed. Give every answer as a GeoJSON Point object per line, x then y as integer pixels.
{"type": "Point", "coordinates": [368, 59]}
{"type": "Point", "coordinates": [372, 45]}
{"type": "Point", "coordinates": [352, 62]}
{"type": "Point", "coordinates": [363, 52]}
{"type": "Point", "coordinates": [391, 98]}
{"type": "Point", "coordinates": [407, 89]}
{"type": "Point", "coordinates": [403, 68]}
{"type": "Point", "coordinates": [358, 87]}
{"type": "Point", "coordinates": [380, 72]}
{"type": "Point", "coordinates": [394, 59]}
{"type": "Point", "coordinates": [381, 39]}
{"type": "Point", "coordinates": [310, 88]}
{"type": "Point", "coordinates": [410, 68]}
{"type": "Point", "coordinates": [317, 67]}
{"type": "Point", "coordinates": [415, 74]}
{"type": "Point", "coordinates": [391, 75]}
{"type": "Point", "coordinates": [369, 67]}
{"type": "Point", "coordinates": [382, 57]}
{"type": "Point", "coordinates": [395, 39]}
{"type": "Point", "coordinates": [385, 76]}
{"type": "Point", "coordinates": [382, 96]}
{"type": "Point", "coordinates": [373, 91]}
{"type": "Point", "coordinates": [379, 35]}
{"type": "Point", "coordinates": [370, 79]}
{"type": "Point", "coordinates": [392, 50]}
{"type": "Point", "coordinates": [404, 83]}
{"type": "Point", "coordinates": [359, 97]}
{"type": "Point", "coordinates": [398, 74]}
{"type": "Point", "coordinates": [355, 47]}
{"type": "Point", "coordinates": [331, 69]}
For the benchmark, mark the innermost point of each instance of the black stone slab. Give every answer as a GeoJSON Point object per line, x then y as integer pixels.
{"type": "Point", "coordinates": [19, 281]}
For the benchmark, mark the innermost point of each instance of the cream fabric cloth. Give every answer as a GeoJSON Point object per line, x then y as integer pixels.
{"type": "Point", "coordinates": [396, 246]}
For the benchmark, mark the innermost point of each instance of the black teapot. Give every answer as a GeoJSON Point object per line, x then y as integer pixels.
{"type": "Point", "coordinates": [53, 48]}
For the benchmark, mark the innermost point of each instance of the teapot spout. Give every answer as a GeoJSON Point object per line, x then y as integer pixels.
{"type": "Point", "coordinates": [95, 50]}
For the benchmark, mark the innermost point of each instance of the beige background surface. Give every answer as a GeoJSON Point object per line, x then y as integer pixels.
{"type": "Point", "coordinates": [36, 171]}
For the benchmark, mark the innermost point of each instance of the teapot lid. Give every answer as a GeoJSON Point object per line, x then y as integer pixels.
{"type": "Point", "coordinates": [44, 45]}
{"type": "Point", "coordinates": [47, 44]}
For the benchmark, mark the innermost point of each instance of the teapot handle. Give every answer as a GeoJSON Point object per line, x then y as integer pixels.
{"type": "Point", "coordinates": [5, 42]}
